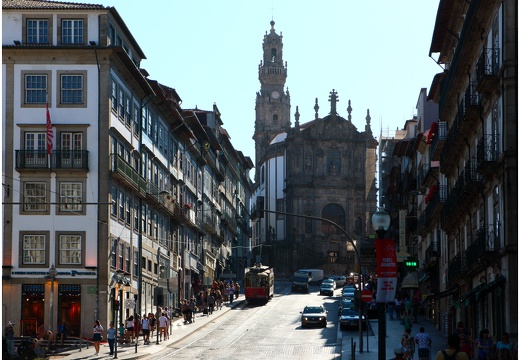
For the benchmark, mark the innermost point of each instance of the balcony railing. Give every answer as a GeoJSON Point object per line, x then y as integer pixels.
{"type": "Point", "coordinates": [128, 173]}
{"type": "Point", "coordinates": [486, 244]}
{"type": "Point", "coordinates": [438, 140]}
{"type": "Point", "coordinates": [59, 159]}
{"type": "Point", "coordinates": [488, 65]}
{"type": "Point", "coordinates": [487, 153]}
{"type": "Point", "coordinates": [455, 268]}
{"type": "Point", "coordinates": [431, 254]}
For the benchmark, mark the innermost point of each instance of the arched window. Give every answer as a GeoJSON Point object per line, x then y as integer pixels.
{"type": "Point", "coordinates": [335, 213]}
{"type": "Point", "coordinates": [275, 119]}
{"type": "Point", "coordinates": [273, 55]}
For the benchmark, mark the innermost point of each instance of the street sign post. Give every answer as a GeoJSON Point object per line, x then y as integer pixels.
{"type": "Point", "coordinates": [366, 295]}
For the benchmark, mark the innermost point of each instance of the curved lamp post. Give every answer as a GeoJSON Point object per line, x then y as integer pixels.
{"type": "Point", "coordinates": [52, 274]}
{"type": "Point", "coordinates": [381, 223]}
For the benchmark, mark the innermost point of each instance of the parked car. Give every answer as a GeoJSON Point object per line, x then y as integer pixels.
{"type": "Point", "coordinates": [341, 281]}
{"type": "Point", "coordinates": [327, 289]}
{"type": "Point", "coordinates": [329, 281]}
{"type": "Point", "coordinates": [349, 318]}
{"type": "Point", "coordinates": [314, 315]}
{"type": "Point", "coordinates": [346, 303]}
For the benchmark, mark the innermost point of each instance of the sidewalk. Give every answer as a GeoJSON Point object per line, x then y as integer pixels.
{"type": "Point", "coordinates": [179, 331]}
{"type": "Point", "coordinates": [394, 332]}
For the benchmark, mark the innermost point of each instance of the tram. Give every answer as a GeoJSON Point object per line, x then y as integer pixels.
{"type": "Point", "coordinates": [259, 283]}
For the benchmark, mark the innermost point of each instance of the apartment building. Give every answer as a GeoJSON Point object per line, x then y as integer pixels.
{"type": "Point", "coordinates": [465, 182]}
{"type": "Point", "coordinates": [113, 193]}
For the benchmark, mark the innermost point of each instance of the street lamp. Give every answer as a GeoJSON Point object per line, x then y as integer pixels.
{"type": "Point", "coordinates": [381, 223]}
{"type": "Point", "coordinates": [52, 273]}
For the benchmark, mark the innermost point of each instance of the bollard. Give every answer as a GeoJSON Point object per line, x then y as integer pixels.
{"type": "Point", "coordinates": [353, 348]}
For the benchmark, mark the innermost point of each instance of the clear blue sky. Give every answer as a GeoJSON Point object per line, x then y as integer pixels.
{"type": "Point", "coordinates": [374, 53]}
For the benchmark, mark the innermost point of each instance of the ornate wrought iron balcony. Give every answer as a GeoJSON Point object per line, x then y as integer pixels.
{"type": "Point", "coordinates": [58, 159]}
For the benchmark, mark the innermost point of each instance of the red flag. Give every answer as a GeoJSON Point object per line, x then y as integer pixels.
{"type": "Point", "coordinates": [50, 133]}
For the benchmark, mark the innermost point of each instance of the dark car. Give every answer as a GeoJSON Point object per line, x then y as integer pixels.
{"type": "Point", "coordinates": [314, 315]}
{"type": "Point", "coordinates": [349, 318]}
{"type": "Point", "coordinates": [327, 289]}
{"type": "Point", "coordinates": [346, 303]}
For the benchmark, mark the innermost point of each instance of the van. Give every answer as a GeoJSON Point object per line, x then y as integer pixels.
{"type": "Point", "coordinates": [315, 275]}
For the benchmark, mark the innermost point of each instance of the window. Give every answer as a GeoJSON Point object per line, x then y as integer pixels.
{"type": "Point", "coordinates": [334, 162]}
{"type": "Point", "coordinates": [122, 205]}
{"type": "Point", "coordinates": [35, 196]}
{"type": "Point", "coordinates": [114, 96]}
{"type": "Point", "coordinates": [136, 215]}
{"type": "Point", "coordinates": [35, 89]}
{"type": "Point", "coordinates": [35, 149]}
{"type": "Point", "coordinates": [113, 208]}
{"type": "Point", "coordinates": [128, 111]}
{"type": "Point", "coordinates": [128, 258]}
{"type": "Point", "coordinates": [70, 249]}
{"type": "Point", "coordinates": [136, 263]}
{"type": "Point", "coordinates": [72, 31]}
{"type": "Point", "coordinates": [72, 89]}
{"type": "Point", "coordinates": [280, 207]}
{"type": "Point", "coordinates": [335, 213]}
{"type": "Point", "coordinates": [71, 196]}
{"type": "Point", "coordinates": [37, 31]}
{"type": "Point", "coordinates": [127, 210]}
{"type": "Point", "coordinates": [275, 119]}
{"type": "Point", "coordinates": [121, 110]}
{"type": "Point", "coordinates": [120, 255]}
{"type": "Point", "coordinates": [114, 253]}
{"type": "Point", "coordinates": [33, 249]}
{"type": "Point", "coordinates": [71, 146]}
{"type": "Point", "coordinates": [136, 120]}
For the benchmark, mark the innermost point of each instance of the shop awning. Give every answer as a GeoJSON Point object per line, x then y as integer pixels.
{"type": "Point", "coordinates": [442, 294]}
{"type": "Point", "coordinates": [466, 297]}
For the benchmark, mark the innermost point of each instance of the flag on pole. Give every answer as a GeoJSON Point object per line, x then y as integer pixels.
{"type": "Point", "coordinates": [50, 133]}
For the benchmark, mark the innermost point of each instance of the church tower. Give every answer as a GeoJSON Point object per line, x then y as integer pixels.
{"type": "Point", "coordinates": [273, 104]}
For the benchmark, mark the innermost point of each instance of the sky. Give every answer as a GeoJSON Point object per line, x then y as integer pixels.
{"type": "Point", "coordinates": [374, 53]}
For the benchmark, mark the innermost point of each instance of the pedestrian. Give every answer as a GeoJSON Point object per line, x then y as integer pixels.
{"type": "Point", "coordinates": [484, 345]}
{"type": "Point", "coordinates": [231, 292]}
{"type": "Point", "coordinates": [145, 326]}
{"type": "Point", "coordinates": [218, 299]}
{"type": "Point", "coordinates": [406, 321]}
{"type": "Point", "coordinates": [121, 333]}
{"type": "Point", "coordinates": [465, 346]}
{"type": "Point", "coordinates": [416, 301]}
{"type": "Point", "coordinates": [62, 329]}
{"type": "Point", "coordinates": [452, 351]}
{"type": "Point", "coordinates": [193, 308]}
{"type": "Point", "coordinates": [211, 303]}
{"type": "Point", "coordinates": [111, 337]}
{"type": "Point", "coordinates": [399, 353]}
{"type": "Point", "coordinates": [130, 327]}
{"type": "Point", "coordinates": [408, 344]}
{"type": "Point", "coordinates": [424, 342]}
{"type": "Point", "coordinates": [237, 290]}
{"type": "Point", "coordinates": [97, 335]}
{"type": "Point", "coordinates": [398, 308]}
{"type": "Point", "coordinates": [9, 338]}
{"type": "Point", "coordinates": [505, 347]}
{"type": "Point", "coordinates": [461, 330]}
{"type": "Point", "coordinates": [163, 322]}
{"type": "Point", "coordinates": [153, 322]}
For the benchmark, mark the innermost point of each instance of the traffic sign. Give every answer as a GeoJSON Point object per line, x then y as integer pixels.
{"type": "Point", "coordinates": [366, 295]}
{"type": "Point", "coordinates": [129, 304]}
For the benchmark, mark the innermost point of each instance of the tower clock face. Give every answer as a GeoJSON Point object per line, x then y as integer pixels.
{"type": "Point", "coordinates": [275, 94]}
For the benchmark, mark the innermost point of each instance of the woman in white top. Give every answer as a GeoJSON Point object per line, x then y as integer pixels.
{"type": "Point", "coordinates": [96, 336]}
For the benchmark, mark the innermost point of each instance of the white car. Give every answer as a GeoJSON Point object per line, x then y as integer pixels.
{"type": "Point", "coordinates": [314, 315]}
{"type": "Point", "coordinates": [341, 281]}
{"type": "Point", "coordinates": [330, 281]}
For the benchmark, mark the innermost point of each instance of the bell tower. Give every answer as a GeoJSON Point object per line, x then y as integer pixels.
{"type": "Point", "coordinates": [273, 104]}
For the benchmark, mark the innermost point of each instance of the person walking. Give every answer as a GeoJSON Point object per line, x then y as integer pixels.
{"type": "Point", "coordinates": [408, 344]}
{"type": "Point", "coordinates": [505, 347]}
{"type": "Point", "coordinates": [465, 346]}
{"type": "Point", "coordinates": [484, 345]}
{"type": "Point", "coordinates": [111, 337]}
{"type": "Point", "coordinates": [424, 342]}
{"type": "Point", "coordinates": [398, 308]}
{"type": "Point", "coordinates": [452, 352]}
{"type": "Point", "coordinates": [62, 329]}
{"type": "Point", "coordinates": [231, 292]}
{"type": "Point", "coordinates": [145, 327]}
{"type": "Point", "coordinates": [163, 322]}
{"type": "Point", "coordinates": [211, 303]}
{"type": "Point", "coordinates": [406, 321]}
{"type": "Point", "coordinates": [9, 338]}
{"type": "Point", "coordinates": [96, 336]}
{"type": "Point", "coordinates": [193, 308]}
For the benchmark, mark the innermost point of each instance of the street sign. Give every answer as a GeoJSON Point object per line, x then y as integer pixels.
{"type": "Point", "coordinates": [366, 295]}
{"type": "Point", "coordinates": [129, 304]}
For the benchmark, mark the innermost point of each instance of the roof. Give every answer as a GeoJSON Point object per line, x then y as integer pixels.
{"type": "Point", "coordinates": [51, 5]}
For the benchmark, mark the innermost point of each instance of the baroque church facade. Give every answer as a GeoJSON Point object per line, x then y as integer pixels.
{"type": "Point", "coordinates": [323, 168]}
